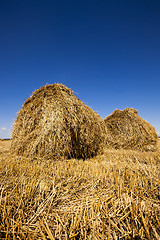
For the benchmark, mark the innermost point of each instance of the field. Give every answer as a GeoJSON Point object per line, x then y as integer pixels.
{"type": "Point", "coordinates": [112, 196]}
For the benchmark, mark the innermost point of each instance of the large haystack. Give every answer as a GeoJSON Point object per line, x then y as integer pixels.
{"type": "Point", "coordinates": [125, 129]}
{"type": "Point", "coordinates": [54, 123]}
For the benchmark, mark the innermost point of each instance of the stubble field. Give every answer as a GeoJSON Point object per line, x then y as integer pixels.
{"type": "Point", "coordinates": [112, 196]}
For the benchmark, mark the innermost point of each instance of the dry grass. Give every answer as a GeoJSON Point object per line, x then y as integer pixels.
{"type": "Point", "coordinates": [4, 145]}
{"type": "Point", "coordinates": [112, 196]}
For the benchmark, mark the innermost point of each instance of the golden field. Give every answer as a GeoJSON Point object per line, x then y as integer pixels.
{"type": "Point", "coordinates": [112, 196]}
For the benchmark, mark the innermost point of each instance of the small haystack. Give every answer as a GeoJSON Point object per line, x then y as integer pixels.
{"type": "Point", "coordinates": [125, 129]}
{"type": "Point", "coordinates": [54, 123]}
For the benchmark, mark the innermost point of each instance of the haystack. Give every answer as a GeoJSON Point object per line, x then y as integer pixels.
{"type": "Point", "coordinates": [127, 130]}
{"type": "Point", "coordinates": [54, 123]}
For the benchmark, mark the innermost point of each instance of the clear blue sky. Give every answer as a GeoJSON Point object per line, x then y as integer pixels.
{"type": "Point", "coordinates": [108, 52]}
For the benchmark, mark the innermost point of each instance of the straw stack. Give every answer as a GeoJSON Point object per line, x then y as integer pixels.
{"type": "Point", "coordinates": [125, 129]}
{"type": "Point", "coordinates": [53, 123]}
